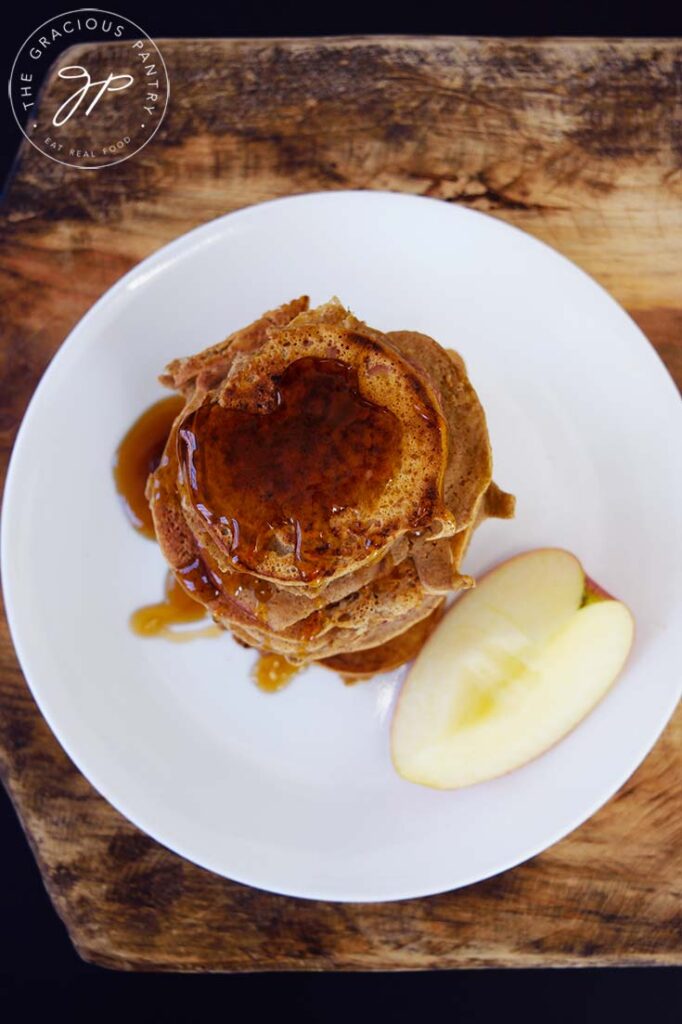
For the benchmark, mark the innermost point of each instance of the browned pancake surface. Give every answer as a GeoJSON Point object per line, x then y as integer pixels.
{"type": "Point", "coordinates": [257, 505]}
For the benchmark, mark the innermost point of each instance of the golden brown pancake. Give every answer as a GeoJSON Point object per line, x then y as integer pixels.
{"type": "Point", "coordinates": [364, 664]}
{"type": "Point", "coordinates": [314, 453]}
{"type": "Point", "coordinates": [319, 489]}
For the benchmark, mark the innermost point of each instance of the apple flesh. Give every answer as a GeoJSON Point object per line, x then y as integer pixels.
{"type": "Point", "coordinates": [511, 669]}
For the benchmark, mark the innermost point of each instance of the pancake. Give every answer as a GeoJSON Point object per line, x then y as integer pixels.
{"type": "Point", "coordinates": [321, 485]}
{"type": "Point", "coordinates": [363, 664]}
{"type": "Point", "coordinates": [317, 450]}
{"type": "Point", "coordinates": [469, 464]}
{"type": "Point", "coordinates": [198, 373]}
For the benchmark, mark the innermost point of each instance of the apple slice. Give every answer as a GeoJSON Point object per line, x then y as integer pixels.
{"type": "Point", "coordinates": [513, 666]}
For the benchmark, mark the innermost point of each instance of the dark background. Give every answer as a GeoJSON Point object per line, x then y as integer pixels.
{"type": "Point", "coordinates": [39, 971]}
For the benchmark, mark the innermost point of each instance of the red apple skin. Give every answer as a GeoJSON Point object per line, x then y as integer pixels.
{"type": "Point", "coordinates": [596, 592]}
{"type": "Point", "coordinates": [591, 587]}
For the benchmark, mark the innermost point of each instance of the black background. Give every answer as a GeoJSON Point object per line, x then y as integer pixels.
{"type": "Point", "coordinates": [39, 972]}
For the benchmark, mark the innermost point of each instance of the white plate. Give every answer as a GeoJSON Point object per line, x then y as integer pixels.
{"type": "Point", "coordinates": [295, 792]}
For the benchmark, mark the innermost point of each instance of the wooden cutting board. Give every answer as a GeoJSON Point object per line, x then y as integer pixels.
{"type": "Point", "coordinates": [576, 142]}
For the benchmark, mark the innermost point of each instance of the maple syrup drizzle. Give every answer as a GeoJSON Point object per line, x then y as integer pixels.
{"type": "Point", "coordinates": [272, 672]}
{"type": "Point", "coordinates": [177, 609]}
{"type": "Point", "coordinates": [339, 448]}
{"type": "Point", "coordinates": [138, 454]}
{"type": "Point", "coordinates": [275, 480]}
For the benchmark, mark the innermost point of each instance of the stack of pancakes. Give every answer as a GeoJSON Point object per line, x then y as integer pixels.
{"type": "Point", "coordinates": [319, 488]}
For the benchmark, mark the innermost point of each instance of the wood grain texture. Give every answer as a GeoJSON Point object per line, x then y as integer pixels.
{"type": "Point", "coordinates": [577, 142]}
